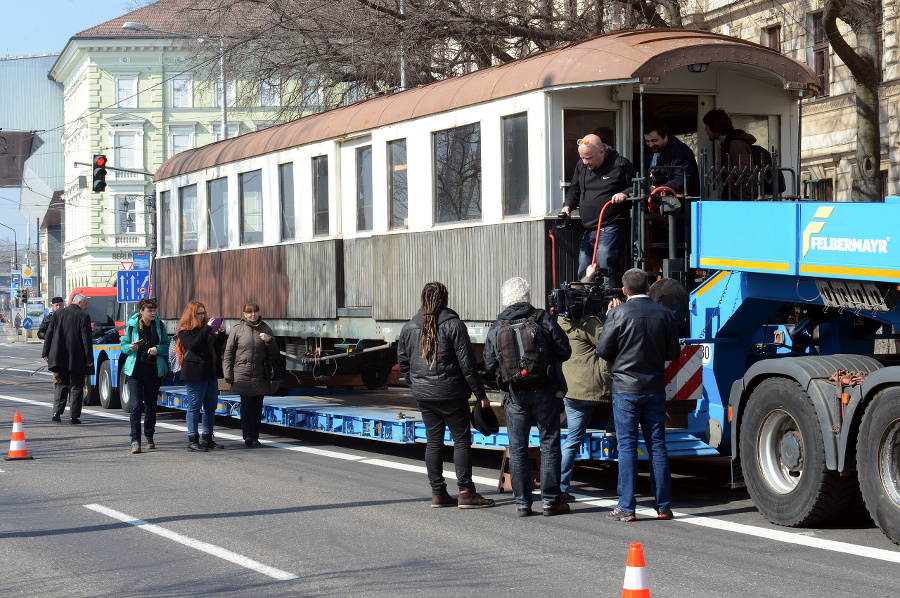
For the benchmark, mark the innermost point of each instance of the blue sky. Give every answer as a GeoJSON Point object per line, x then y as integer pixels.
{"type": "Point", "coordinates": [43, 27]}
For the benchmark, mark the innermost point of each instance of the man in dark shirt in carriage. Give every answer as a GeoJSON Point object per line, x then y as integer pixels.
{"type": "Point", "coordinates": [668, 150]}
{"type": "Point", "coordinates": [601, 177]}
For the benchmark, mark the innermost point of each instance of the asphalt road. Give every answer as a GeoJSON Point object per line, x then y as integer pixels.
{"type": "Point", "coordinates": [317, 515]}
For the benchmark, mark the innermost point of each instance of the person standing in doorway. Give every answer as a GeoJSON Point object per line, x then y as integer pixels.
{"type": "Point", "coordinates": [69, 353]}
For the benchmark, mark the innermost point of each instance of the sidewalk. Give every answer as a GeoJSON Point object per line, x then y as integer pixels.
{"type": "Point", "coordinates": [10, 336]}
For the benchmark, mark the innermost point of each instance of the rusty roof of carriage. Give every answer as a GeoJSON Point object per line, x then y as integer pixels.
{"type": "Point", "coordinates": [643, 55]}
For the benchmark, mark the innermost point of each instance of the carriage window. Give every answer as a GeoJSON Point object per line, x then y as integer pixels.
{"type": "Point", "coordinates": [188, 199]}
{"type": "Point", "coordinates": [364, 188]}
{"type": "Point", "coordinates": [286, 191]}
{"type": "Point", "coordinates": [514, 156]}
{"type": "Point", "coordinates": [251, 207]}
{"type": "Point", "coordinates": [217, 215]}
{"type": "Point", "coordinates": [457, 174]}
{"type": "Point", "coordinates": [397, 185]}
{"type": "Point", "coordinates": [577, 124]}
{"type": "Point", "coordinates": [320, 194]}
{"type": "Point", "coordinates": [165, 221]}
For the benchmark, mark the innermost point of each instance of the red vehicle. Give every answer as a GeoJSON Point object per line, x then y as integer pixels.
{"type": "Point", "coordinates": [104, 309]}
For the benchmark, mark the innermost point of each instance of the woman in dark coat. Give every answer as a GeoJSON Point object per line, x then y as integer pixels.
{"type": "Point", "coordinates": [250, 350]}
{"type": "Point", "coordinates": [437, 360]}
{"type": "Point", "coordinates": [199, 349]}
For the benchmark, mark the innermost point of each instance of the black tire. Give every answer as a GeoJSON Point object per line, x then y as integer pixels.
{"type": "Point", "coordinates": [124, 394]}
{"type": "Point", "coordinates": [374, 377]}
{"type": "Point", "coordinates": [91, 393]}
{"type": "Point", "coordinates": [109, 398]}
{"type": "Point", "coordinates": [878, 461]}
{"type": "Point", "coordinates": [783, 458]}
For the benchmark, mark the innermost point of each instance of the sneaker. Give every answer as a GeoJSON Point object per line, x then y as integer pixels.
{"type": "Point", "coordinates": [469, 499]}
{"type": "Point", "coordinates": [559, 508]}
{"type": "Point", "coordinates": [135, 448]}
{"type": "Point", "coordinates": [150, 444]}
{"type": "Point", "coordinates": [56, 418]}
{"type": "Point", "coordinates": [442, 500]}
{"type": "Point", "coordinates": [618, 514]}
{"type": "Point", "coordinates": [665, 514]}
{"type": "Point", "coordinates": [257, 443]}
{"type": "Point", "coordinates": [566, 497]}
{"type": "Point", "coordinates": [527, 512]}
{"type": "Point", "coordinates": [248, 442]}
{"type": "Point", "coordinates": [74, 420]}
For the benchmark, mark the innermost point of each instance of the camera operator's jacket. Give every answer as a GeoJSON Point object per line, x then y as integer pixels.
{"type": "Point", "coordinates": [587, 375]}
{"type": "Point", "coordinates": [132, 335]}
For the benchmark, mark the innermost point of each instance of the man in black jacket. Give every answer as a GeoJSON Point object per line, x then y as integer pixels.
{"type": "Point", "coordinates": [540, 403]}
{"type": "Point", "coordinates": [668, 150]}
{"type": "Point", "coordinates": [68, 351]}
{"type": "Point", "coordinates": [638, 338]}
{"type": "Point", "coordinates": [55, 304]}
{"type": "Point", "coordinates": [601, 177]}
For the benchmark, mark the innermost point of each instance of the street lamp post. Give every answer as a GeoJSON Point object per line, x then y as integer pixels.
{"type": "Point", "coordinates": [15, 246]}
{"type": "Point", "coordinates": [223, 96]}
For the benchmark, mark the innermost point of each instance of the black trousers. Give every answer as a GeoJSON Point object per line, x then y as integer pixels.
{"type": "Point", "coordinates": [70, 386]}
{"type": "Point", "coordinates": [144, 390]}
{"type": "Point", "coordinates": [437, 416]}
{"type": "Point", "coordinates": [251, 415]}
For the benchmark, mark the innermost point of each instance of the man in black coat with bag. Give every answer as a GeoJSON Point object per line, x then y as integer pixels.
{"type": "Point", "coordinates": [68, 351]}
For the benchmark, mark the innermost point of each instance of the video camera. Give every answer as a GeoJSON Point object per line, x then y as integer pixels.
{"type": "Point", "coordinates": [576, 300]}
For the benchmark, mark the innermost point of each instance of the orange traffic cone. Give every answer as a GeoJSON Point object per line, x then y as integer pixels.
{"type": "Point", "coordinates": [17, 448]}
{"type": "Point", "coordinates": [635, 585]}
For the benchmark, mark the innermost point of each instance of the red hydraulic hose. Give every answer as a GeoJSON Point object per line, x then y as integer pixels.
{"type": "Point", "coordinates": [597, 239]}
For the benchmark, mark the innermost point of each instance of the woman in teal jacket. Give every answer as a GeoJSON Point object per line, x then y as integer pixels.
{"type": "Point", "coordinates": [146, 344]}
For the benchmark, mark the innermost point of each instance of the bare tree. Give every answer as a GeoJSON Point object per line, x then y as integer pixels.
{"type": "Point", "coordinates": [863, 17]}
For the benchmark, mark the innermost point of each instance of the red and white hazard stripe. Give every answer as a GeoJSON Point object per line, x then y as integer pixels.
{"type": "Point", "coordinates": [684, 376]}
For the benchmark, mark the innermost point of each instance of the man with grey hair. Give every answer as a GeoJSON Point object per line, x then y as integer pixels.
{"type": "Point", "coordinates": [68, 351]}
{"type": "Point", "coordinates": [523, 337]}
{"type": "Point", "coordinates": [638, 338]}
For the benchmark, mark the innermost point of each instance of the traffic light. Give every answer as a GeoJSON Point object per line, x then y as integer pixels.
{"type": "Point", "coordinates": [99, 173]}
{"type": "Point", "coordinates": [24, 296]}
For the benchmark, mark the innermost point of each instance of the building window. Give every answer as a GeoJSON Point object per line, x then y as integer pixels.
{"type": "Point", "coordinates": [397, 183]}
{"type": "Point", "coordinates": [126, 92]}
{"type": "Point", "coordinates": [269, 94]}
{"type": "Point", "coordinates": [772, 37]}
{"type": "Point", "coordinates": [165, 223]}
{"type": "Point", "coordinates": [180, 143]}
{"type": "Point", "coordinates": [822, 190]}
{"type": "Point", "coordinates": [127, 215]}
{"type": "Point", "coordinates": [457, 173]}
{"type": "Point", "coordinates": [884, 184]}
{"type": "Point", "coordinates": [286, 191]}
{"type": "Point", "coordinates": [125, 150]}
{"type": "Point", "coordinates": [233, 130]}
{"type": "Point", "coordinates": [251, 207]}
{"type": "Point", "coordinates": [514, 157]}
{"type": "Point", "coordinates": [320, 194]}
{"type": "Point", "coordinates": [182, 96]}
{"type": "Point", "coordinates": [229, 94]}
{"type": "Point", "coordinates": [217, 214]}
{"type": "Point", "coordinates": [364, 188]}
{"type": "Point", "coordinates": [188, 199]}
{"type": "Point", "coordinates": [820, 53]}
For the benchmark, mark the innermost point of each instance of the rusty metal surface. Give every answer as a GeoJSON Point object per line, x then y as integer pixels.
{"type": "Point", "coordinates": [359, 273]}
{"type": "Point", "coordinates": [643, 55]}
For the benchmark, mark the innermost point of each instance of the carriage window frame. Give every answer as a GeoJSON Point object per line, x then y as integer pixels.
{"type": "Point", "coordinates": [365, 194]}
{"type": "Point", "coordinates": [514, 178]}
{"type": "Point", "coordinates": [287, 201]}
{"type": "Point", "coordinates": [321, 217]}
{"type": "Point", "coordinates": [398, 184]}
{"type": "Point", "coordinates": [217, 215]}
{"type": "Point", "coordinates": [457, 148]}
{"type": "Point", "coordinates": [251, 183]}
{"type": "Point", "coordinates": [189, 230]}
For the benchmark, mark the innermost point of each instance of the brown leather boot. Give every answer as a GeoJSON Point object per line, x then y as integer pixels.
{"type": "Point", "coordinates": [472, 500]}
{"type": "Point", "coordinates": [442, 500]}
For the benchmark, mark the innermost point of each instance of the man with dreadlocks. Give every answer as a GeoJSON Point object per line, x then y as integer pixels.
{"type": "Point", "coordinates": [436, 358]}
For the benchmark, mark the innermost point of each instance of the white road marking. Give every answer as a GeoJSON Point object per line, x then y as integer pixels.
{"type": "Point", "coordinates": [40, 373]}
{"type": "Point", "coordinates": [216, 551]}
{"type": "Point", "coordinates": [716, 523]}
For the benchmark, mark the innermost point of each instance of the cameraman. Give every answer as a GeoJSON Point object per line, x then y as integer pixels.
{"type": "Point", "coordinates": [588, 379]}
{"type": "Point", "coordinates": [146, 344]}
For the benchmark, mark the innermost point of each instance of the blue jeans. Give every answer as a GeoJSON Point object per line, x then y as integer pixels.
{"type": "Point", "coordinates": [648, 410]}
{"type": "Point", "coordinates": [578, 415]}
{"type": "Point", "coordinates": [203, 394]}
{"type": "Point", "coordinates": [521, 406]}
{"type": "Point", "coordinates": [608, 250]}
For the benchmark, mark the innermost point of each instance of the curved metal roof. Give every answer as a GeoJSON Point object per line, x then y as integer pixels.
{"type": "Point", "coordinates": [643, 55]}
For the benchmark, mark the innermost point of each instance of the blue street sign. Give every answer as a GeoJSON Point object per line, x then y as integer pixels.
{"type": "Point", "coordinates": [26, 282]}
{"type": "Point", "coordinates": [15, 287]}
{"type": "Point", "coordinates": [27, 323]}
{"type": "Point", "coordinates": [132, 285]}
{"type": "Point", "coordinates": [16, 279]}
{"type": "Point", "coordinates": [141, 260]}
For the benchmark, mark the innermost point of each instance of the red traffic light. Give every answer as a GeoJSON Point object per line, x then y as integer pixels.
{"type": "Point", "coordinates": [99, 160]}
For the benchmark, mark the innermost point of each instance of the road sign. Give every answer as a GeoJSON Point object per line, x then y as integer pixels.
{"type": "Point", "coordinates": [141, 260]}
{"type": "Point", "coordinates": [26, 271]}
{"type": "Point", "coordinates": [142, 291]}
{"type": "Point", "coordinates": [15, 287]}
{"type": "Point", "coordinates": [16, 279]}
{"type": "Point", "coordinates": [130, 283]}
{"type": "Point", "coordinates": [27, 323]}
{"type": "Point", "coordinates": [128, 265]}
{"type": "Point", "coordinates": [26, 283]}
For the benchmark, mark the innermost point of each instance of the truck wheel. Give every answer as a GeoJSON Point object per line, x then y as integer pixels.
{"type": "Point", "coordinates": [109, 399]}
{"type": "Point", "coordinates": [783, 458]}
{"type": "Point", "coordinates": [124, 393]}
{"type": "Point", "coordinates": [91, 394]}
{"type": "Point", "coordinates": [374, 377]}
{"type": "Point", "coordinates": [878, 461]}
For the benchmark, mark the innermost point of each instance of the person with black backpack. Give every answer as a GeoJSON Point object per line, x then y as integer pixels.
{"type": "Point", "coordinates": [524, 349]}
{"type": "Point", "coordinates": [435, 355]}
{"type": "Point", "coordinates": [736, 156]}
